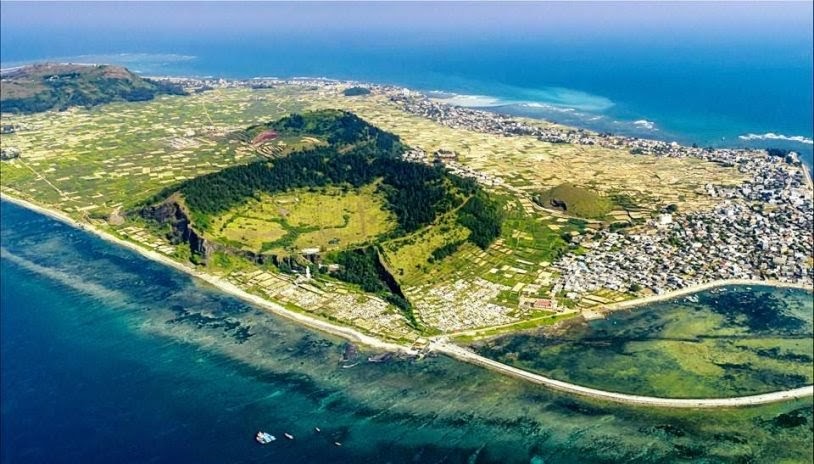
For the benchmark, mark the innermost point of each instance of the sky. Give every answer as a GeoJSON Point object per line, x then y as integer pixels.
{"type": "Point", "coordinates": [32, 28]}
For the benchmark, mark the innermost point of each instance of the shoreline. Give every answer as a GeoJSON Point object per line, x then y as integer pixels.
{"type": "Point", "coordinates": [628, 304]}
{"type": "Point", "coordinates": [464, 355]}
{"type": "Point", "coordinates": [450, 350]}
{"type": "Point", "coordinates": [217, 282]}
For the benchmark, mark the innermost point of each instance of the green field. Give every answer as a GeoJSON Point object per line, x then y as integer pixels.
{"type": "Point", "coordinates": [91, 163]}
{"type": "Point", "coordinates": [329, 218]}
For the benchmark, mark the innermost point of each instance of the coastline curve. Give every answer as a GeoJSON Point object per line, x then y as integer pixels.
{"type": "Point", "coordinates": [453, 351]}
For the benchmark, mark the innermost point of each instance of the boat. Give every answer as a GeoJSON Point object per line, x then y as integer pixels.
{"type": "Point", "coordinates": [264, 438]}
{"type": "Point", "coordinates": [317, 429]}
{"type": "Point", "coordinates": [337, 443]}
{"type": "Point", "coordinates": [289, 436]}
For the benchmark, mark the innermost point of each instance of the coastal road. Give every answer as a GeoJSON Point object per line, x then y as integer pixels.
{"type": "Point", "coordinates": [437, 345]}
{"type": "Point", "coordinates": [465, 355]}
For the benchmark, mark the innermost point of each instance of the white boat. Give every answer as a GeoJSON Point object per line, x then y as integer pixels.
{"type": "Point", "coordinates": [289, 436]}
{"type": "Point", "coordinates": [264, 438]}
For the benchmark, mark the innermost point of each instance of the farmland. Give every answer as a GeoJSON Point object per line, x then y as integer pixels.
{"type": "Point", "coordinates": [96, 164]}
{"type": "Point", "coordinates": [326, 219]}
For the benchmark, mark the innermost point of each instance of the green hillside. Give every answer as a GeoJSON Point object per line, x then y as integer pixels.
{"type": "Point", "coordinates": [576, 201]}
{"type": "Point", "coordinates": [43, 87]}
{"type": "Point", "coordinates": [269, 210]}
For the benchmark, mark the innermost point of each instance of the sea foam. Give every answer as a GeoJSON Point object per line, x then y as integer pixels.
{"type": "Point", "coordinates": [773, 136]}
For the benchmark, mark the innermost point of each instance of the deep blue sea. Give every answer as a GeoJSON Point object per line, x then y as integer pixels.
{"type": "Point", "coordinates": [706, 74]}
{"type": "Point", "coordinates": [107, 357]}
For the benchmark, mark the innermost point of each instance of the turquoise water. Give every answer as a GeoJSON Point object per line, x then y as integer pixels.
{"type": "Point", "coordinates": [733, 341]}
{"type": "Point", "coordinates": [107, 357]}
{"type": "Point", "coordinates": [694, 73]}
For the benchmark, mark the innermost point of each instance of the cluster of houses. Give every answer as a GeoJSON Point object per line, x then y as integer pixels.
{"type": "Point", "coordinates": [761, 229]}
{"type": "Point", "coordinates": [449, 159]}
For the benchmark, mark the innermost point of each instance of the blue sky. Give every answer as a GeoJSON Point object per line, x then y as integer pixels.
{"type": "Point", "coordinates": [75, 24]}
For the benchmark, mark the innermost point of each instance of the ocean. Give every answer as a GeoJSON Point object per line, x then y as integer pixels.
{"type": "Point", "coordinates": [724, 76]}
{"type": "Point", "coordinates": [108, 357]}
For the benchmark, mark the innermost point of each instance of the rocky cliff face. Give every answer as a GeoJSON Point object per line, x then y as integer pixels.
{"type": "Point", "coordinates": [171, 212]}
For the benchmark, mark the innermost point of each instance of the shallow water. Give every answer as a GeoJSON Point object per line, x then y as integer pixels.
{"type": "Point", "coordinates": [107, 357]}
{"type": "Point", "coordinates": [734, 341]}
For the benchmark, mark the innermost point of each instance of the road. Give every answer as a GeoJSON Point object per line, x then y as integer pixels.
{"type": "Point", "coordinates": [465, 355]}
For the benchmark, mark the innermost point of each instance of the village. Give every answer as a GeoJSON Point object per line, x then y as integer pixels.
{"type": "Point", "coordinates": [748, 201]}
{"type": "Point", "coordinates": [760, 230]}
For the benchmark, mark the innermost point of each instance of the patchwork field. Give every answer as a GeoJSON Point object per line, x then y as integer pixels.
{"type": "Point", "coordinates": [95, 163]}
{"type": "Point", "coordinates": [528, 165]}
{"type": "Point", "coordinates": [328, 219]}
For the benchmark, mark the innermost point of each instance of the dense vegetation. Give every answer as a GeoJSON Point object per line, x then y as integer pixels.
{"type": "Point", "coordinates": [357, 154]}
{"type": "Point", "coordinates": [362, 267]}
{"type": "Point", "coordinates": [46, 87]}
{"type": "Point", "coordinates": [356, 91]}
{"type": "Point", "coordinates": [338, 128]}
{"type": "Point", "coordinates": [576, 201]}
{"type": "Point", "coordinates": [415, 193]}
{"type": "Point", "coordinates": [483, 217]}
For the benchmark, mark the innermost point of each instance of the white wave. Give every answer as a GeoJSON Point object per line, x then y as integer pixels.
{"type": "Point", "coordinates": [557, 99]}
{"type": "Point", "coordinates": [547, 107]}
{"type": "Point", "coordinates": [773, 136]}
{"type": "Point", "coordinates": [472, 101]}
{"type": "Point", "coordinates": [645, 124]}
{"type": "Point", "coordinates": [570, 98]}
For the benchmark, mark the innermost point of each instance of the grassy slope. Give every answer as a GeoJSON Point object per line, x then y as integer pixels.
{"type": "Point", "coordinates": [45, 87]}
{"type": "Point", "coordinates": [576, 201]}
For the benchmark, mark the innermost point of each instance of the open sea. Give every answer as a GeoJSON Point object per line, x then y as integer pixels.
{"type": "Point", "coordinates": [108, 357]}
{"type": "Point", "coordinates": [716, 75]}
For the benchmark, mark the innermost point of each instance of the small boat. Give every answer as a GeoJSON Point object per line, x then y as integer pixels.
{"type": "Point", "coordinates": [289, 436]}
{"type": "Point", "coordinates": [337, 443]}
{"type": "Point", "coordinates": [264, 438]}
{"type": "Point", "coordinates": [317, 429]}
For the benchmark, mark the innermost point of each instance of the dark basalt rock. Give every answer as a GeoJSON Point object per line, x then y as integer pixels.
{"type": "Point", "coordinates": [171, 212]}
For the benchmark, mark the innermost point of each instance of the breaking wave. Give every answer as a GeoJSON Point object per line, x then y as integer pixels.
{"type": "Point", "coordinates": [549, 98]}
{"type": "Point", "coordinates": [773, 136]}
{"type": "Point", "coordinates": [645, 124]}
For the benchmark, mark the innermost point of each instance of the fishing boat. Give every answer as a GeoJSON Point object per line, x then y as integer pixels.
{"type": "Point", "coordinates": [264, 438]}
{"type": "Point", "coordinates": [289, 436]}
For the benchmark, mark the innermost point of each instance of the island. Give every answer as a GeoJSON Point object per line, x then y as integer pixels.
{"type": "Point", "coordinates": [402, 222]}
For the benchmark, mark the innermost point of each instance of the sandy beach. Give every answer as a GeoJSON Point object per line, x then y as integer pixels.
{"type": "Point", "coordinates": [221, 284]}
{"type": "Point", "coordinates": [695, 289]}
{"type": "Point", "coordinates": [448, 349]}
